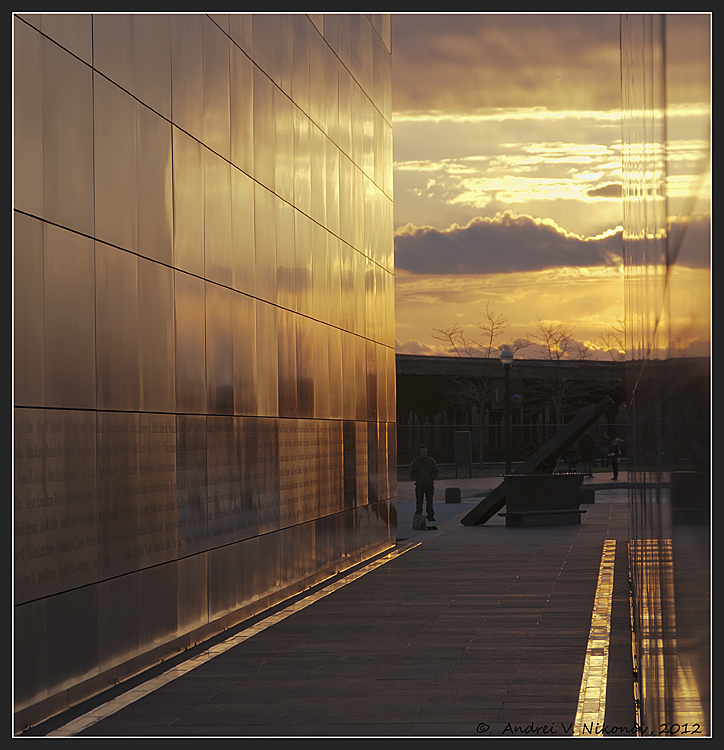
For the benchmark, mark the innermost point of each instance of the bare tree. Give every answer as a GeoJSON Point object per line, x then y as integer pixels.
{"type": "Point", "coordinates": [614, 339]}
{"type": "Point", "coordinates": [484, 342]}
{"type": "Point", "coordinates": [556, 341]}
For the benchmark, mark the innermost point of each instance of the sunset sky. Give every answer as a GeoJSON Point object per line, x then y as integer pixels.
{"type": "Point", "coordinates": [507, 168]}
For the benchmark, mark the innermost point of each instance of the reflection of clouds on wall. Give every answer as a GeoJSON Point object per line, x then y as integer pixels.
{"type": "Point", "coordinates": [461, 62]}
{"type": "Point", "coordinates": [505, 243]}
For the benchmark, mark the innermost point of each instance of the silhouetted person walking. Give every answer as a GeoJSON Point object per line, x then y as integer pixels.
{"type": "Point", "coordinates": [423, 470]}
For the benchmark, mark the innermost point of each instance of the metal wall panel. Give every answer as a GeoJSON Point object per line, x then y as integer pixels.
{"type": "Point", "coordinates": [157, 341]}
{"type": "Point", "coordinates": [190, 305]}
{"type": "Point", "coordinates": [117, 328]}
{"type": "Point", "coordinates": [204, 327]}
{"type": "Point", "coordinates": [28, 321]}
{"type": "Point", "coordinates": [69, 346]}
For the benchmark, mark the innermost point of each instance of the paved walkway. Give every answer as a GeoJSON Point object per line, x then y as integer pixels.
{"type": "Point", "coordinates": [462, 631]}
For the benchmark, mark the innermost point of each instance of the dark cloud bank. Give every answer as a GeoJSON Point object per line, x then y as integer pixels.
{"type": "Point", "coordinates": [504, 244]}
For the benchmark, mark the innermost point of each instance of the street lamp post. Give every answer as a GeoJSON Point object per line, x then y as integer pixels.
{"type": "Point", "coordinates": [506, 359]}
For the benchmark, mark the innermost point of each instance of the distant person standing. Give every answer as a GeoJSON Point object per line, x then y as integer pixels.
{"type": "Point", "coordinates": [614, 455]}
{"type": "Point", "coordinates": [587, 446]}
{"type": "Point", "coordinates": [424, 471]}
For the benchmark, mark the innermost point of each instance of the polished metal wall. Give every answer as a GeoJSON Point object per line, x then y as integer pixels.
{"type": "Point", "coordinates": [204, 328]}
{"type": "Point", "coordinates": [667, 195]}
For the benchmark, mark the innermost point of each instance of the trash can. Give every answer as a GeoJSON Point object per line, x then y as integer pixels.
{"type": "Point", "coordinates": [452, 495]}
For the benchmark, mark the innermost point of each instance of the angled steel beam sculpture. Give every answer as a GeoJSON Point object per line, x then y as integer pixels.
{"type": "Point", "coordinates": [542, 461]}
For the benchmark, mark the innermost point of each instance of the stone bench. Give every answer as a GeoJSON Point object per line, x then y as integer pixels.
{"type": "Point", "coordinates": [543, 499]}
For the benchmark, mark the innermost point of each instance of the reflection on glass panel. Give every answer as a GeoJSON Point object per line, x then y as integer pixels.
{"type": "Point", "coordinates": [665, 88]}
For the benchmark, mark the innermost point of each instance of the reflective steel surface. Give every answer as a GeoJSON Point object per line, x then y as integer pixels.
{"type": "Point", "coordinates": [667, 190]}
{"type": "Point", "coordinates": [204, 328]}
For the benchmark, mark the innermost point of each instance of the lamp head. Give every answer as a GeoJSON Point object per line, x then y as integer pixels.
{"type": "Point", "coordinates": [506, 356]}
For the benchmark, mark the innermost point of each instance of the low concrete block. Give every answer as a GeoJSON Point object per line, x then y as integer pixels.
{"type": "Point", "coordinates": [452, 495]}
